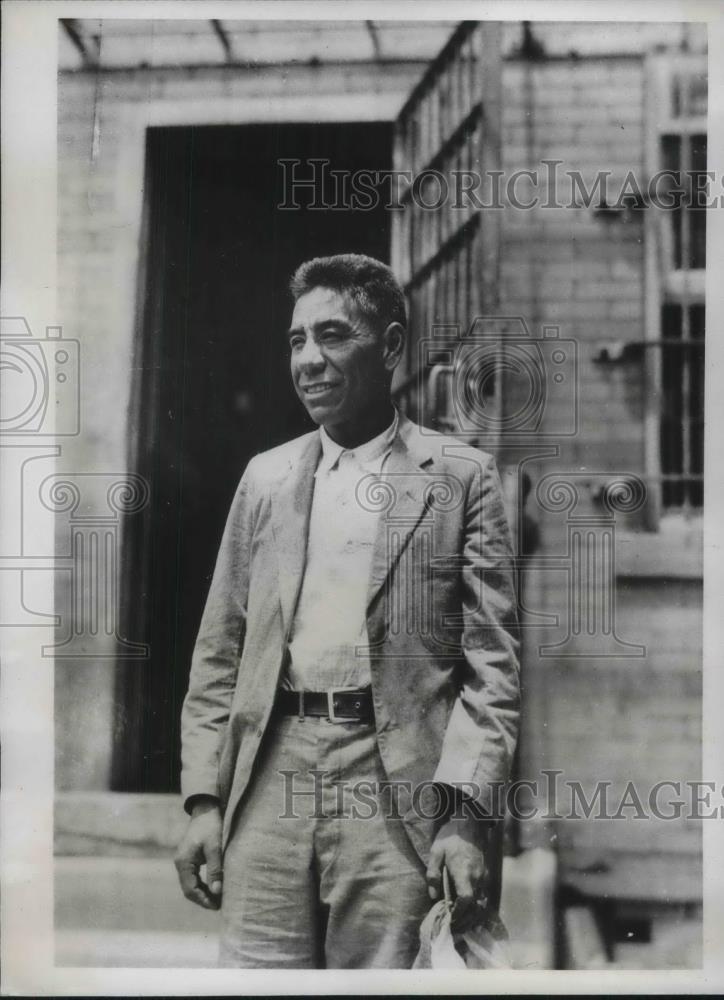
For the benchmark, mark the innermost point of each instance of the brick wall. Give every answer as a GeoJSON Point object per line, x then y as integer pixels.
{"type": "Point", "coordinates": [596, 718]}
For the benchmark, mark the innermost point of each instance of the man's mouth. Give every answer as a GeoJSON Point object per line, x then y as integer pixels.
{"type": "Point", "coordinates": [317, 388]}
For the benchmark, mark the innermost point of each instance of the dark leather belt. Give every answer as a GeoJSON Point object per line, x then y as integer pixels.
{"type": "Point", "coordinates": [337, 704]}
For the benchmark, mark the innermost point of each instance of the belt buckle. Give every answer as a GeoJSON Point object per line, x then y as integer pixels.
{"type": "Point", "coordinates": [331, 714]}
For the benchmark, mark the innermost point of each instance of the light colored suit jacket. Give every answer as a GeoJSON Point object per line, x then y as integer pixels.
{"type": "Point", "coordinates": [440, 617]}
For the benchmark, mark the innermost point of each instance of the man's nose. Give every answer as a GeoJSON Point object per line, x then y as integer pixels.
{"type": "Point", "coordinates": [310, 355]}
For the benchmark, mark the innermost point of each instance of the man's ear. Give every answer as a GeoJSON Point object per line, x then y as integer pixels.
{"type": "Point", "coordinates": [394, 343]}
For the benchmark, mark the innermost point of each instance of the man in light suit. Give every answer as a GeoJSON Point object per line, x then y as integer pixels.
{"type": "Point", "coordinates": [354, 696]}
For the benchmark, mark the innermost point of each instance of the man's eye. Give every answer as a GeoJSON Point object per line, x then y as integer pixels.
{"type": "Point", "coordinates": [295, 343]}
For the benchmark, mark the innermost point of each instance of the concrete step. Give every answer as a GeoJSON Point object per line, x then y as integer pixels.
{"type": "Point", "coordinates": [135, 949]}
{"type": "Point", "coordinates": [128, 894]}
{"type": "Point", "coordinates": [129, 912]}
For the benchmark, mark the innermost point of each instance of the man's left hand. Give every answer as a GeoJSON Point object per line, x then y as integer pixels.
{"type": "Point", "coordinates": [457, 848]}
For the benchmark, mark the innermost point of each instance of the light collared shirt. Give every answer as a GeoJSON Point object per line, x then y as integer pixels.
{"type": "Point", "coordinates": [330, 626]}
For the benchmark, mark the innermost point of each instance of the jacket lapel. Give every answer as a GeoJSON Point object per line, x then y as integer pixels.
{"type": "Point", "coordinates": [409, 499]}
{"type": "Point", "coordinates": [292, 503]}
{"type": "Point", "coordinates": [291, 506]}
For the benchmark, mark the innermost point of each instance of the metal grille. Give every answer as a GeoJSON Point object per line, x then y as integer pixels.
{"type": "Point", "coordinates": [675, 289]}
{"type": "Point", "coordinates": [683, 318]}
{"type": "Point", "coordinates": [682, 406]}
{"type": "Point", "coordinates": [444, 249]}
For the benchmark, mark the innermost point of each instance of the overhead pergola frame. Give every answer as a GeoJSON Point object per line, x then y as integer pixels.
{"type": "Point", "coordinates": [148, 44]}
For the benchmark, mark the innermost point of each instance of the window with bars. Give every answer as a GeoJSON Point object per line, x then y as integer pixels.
{"type": "Point", "coordinates": [444, 256]}
{"type": "Point", "coordinates": [682, 406]}
{"type": "Point", "coordinates": [676, 262]}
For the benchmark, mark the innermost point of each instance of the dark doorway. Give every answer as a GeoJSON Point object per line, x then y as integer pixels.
{"type": "Point", "coordinates": [212, 386]}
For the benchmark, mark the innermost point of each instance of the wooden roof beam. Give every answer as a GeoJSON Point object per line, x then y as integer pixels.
{"type": "Point", "coordinates": [223, 37]}
{"type": "Point", "coordinates": [375, 36]}
{"type": "Point", "coordinates": [70, 26]}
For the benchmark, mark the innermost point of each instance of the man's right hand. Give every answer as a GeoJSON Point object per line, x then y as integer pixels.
{"type": "Point", "coordinates": [201, 845]}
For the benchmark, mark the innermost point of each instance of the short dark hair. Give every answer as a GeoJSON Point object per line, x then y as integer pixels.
{"type": "Point", "coordinates": [368, 282]}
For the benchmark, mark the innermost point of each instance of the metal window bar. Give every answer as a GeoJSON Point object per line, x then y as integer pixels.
{"type": "Point", "coordinates": [681, 485]}
{"type": "Point", "coordinates": [446, 261]}
{"type": "Point", "coordinates": [675, 268]}
{"type": "Point", "coordinates": [685, 325]}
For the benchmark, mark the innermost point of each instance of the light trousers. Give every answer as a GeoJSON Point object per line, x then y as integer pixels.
{"type": "Point", "coordinates": [318, 871]}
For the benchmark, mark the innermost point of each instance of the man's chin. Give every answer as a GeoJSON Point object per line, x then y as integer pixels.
{"type": "Point", "coordinates": [321, 415]}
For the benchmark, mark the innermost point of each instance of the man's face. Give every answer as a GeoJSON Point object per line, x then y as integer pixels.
{"type": "Point", "coordinates": [340, 363]}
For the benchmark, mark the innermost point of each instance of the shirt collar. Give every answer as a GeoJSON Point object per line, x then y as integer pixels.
{"type": "Point", "coordinates": [367, 455]}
